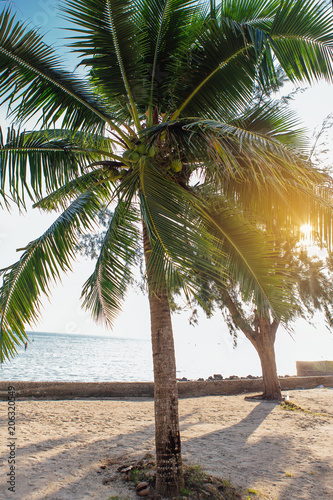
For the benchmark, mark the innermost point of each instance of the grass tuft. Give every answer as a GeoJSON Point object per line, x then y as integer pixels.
{"type": "Point", "coordinates": [289, 474]}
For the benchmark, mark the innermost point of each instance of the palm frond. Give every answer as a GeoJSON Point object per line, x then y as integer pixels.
{"type": "Point", "coordinates": [32, 80]}
{"type": "Point", "coordinates": [263, 172]}
{"type": "Point", "coordinates": [173, 225]}
{"type": "Point", "coordinates": [110, 44]}
{"type": "Point", "coordinates": [102, 181]}
{"type": "Point", "coordinates": [252, 259]}
{"type": "Point", "coordinates": [194, 238]}
{"type": "Point", "coordinates": [239, 148]}
{"type": "Point", "coordinates": [220, 75]}
{"type": "Point", "coordinates": [258, 14]}
{"type": "Point", "coordinates": [274, 119]}
{"type": "Point", "coordinates": [104, 292]}
{"type": "Point", "coordinates": [41, 265]}
{"type": "Point", "coordinates": [164, 24]}
{"type": "Point", "coordinates": [238, 50]}
{"type": "Point", "coordinates": [43, 161]}
{"type": "Point", "coordinates": [302, 39]}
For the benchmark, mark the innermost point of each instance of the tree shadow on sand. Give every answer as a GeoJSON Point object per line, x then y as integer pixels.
{"type": "Point", "coordinates": [71, 463]}
{"type": "Point", "coordinates": [235, 451]}
{"type": "Point", "coordinates": [248, 457]}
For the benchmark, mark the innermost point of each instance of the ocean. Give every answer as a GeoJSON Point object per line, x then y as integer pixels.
{"type": "Point", "coordinates": [88, 358]}
{"type": "Point", "coordinates": [199, 353]}
{"type": "Point", "coordinates": [80, 358]}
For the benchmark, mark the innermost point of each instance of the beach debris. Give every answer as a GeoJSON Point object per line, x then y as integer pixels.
{"type": "Point", "coordinates": [142, 474]}
{"type": "Point", "coordinates": [320, 386]}
{"type": "Point", "coordinates": [126, 468]}
{"type": "Point", "coordinates": [142, 489]}
{"type": "Point", "coordinates": [214, 492]}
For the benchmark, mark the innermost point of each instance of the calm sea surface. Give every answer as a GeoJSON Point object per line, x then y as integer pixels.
{"type": "Point", "coordinates": [92, 358]}
{"type": "Point", "coordinates": [63, 357]}
{"type": "Point", "coordinates": [83, 358]}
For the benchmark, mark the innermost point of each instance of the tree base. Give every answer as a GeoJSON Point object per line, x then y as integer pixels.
{"type": "Point", "coordinates": [142, 475]}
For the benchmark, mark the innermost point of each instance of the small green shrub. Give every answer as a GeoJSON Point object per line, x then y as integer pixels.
{"type": "Point", "coordinates": [194, 476]}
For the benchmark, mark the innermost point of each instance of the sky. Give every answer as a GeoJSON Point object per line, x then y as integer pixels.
{"type": "Point", "coordinates": [63, 313]}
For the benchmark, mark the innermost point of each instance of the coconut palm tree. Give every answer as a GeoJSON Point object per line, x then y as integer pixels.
{"type": "Point", "coordinates": [165, 79]}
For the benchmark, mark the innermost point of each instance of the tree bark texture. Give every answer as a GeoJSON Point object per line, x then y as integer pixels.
{"type": "Point", "coordinates": [263, 341]}
{"type": "Point", "coordinates": [169, 474]}
{"type": "Point", "coordinates": [262, 338]}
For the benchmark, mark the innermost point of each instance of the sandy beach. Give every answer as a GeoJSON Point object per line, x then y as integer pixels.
{"type": "Point", "coordinates": [61, 445]}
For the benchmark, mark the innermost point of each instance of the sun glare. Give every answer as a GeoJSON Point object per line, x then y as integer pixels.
{"type": "Point", "coordinates": [306, 230]}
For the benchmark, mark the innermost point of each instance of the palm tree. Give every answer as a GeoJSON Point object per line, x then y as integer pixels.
{"type": "Point", "coordinates": [165, 79]}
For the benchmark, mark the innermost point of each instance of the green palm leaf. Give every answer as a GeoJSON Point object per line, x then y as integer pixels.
{"type": "Point", "coordinates": [273, 119]}
{"type": "Point", "coordinates": [34, 162]}
{"type": "Point", "coordinates": [240, 148]}
{"type": "Point", "coordinates": [302, 39]}
{"type": "Point", "coordinates": [108, 40]}
{"type": "Point", "coordinates": [252, 259]}
{"type": "Point", "coordinates": [104, 291]}
{"type": "Point", "coordinates": [232, 247]}
{"type": "Point", "coordinates": [32, 72]}
{"type": "Point", "coordinates": [163, 23]}
{"type": "Point", "coordinates": [177, 237]}
{"type": "Point", "coordinates": [41, 264]}
{"type": "Point", "coordinates": [258, 14]}
{"type": "Point", "coordinates": [100, 180]}
{"type": "Point", "coordinates": [220, 77]}
{"type": "Point", "coordinates": [298, 33]}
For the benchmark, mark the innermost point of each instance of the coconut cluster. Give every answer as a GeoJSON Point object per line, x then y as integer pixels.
{"type": "Point", "coordinates": [133, 155]}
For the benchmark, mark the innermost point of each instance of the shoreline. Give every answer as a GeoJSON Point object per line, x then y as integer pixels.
{"type": "Point", "coordinates": [186, 389]}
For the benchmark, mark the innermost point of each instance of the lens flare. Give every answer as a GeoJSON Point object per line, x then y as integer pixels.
{"type": "Point", "coordinates": [306, 230]}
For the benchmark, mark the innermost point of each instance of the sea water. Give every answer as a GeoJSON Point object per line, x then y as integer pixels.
{"type": "Point", "coordinates": [199, 354]}
{"type": "Point", "coordinates": [88, 358]}
{"type": "Point", "coordinates": [80, 358]}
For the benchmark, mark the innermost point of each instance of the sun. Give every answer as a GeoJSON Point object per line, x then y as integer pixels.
{"type": "Point", "coordinates": [307, 240]}
{"type": "Point", "coordinates": [306, 232]}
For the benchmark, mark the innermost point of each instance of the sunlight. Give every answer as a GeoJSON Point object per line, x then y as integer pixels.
{"type": "Point", "coordinates": [306, 230]}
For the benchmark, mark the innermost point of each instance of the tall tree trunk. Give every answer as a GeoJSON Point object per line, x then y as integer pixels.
{"type": "Point", "coordinates": [263, 342]}
{"type": "Point", "coordinates": [262, 338]}
{"type": "Point", "coordinates": [169, 474]}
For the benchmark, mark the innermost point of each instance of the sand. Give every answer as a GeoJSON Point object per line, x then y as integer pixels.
{"type": "Point", "coordinates": [280, 454]}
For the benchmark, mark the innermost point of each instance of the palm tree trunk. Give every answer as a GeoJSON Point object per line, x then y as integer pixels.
{"type": "Point", "coordinates": [264, 345]}
{"type": "Point", "coordinates": [169, 474]}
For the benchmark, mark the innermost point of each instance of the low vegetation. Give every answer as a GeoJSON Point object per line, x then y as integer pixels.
{"type": "Point", "coordinates": [198, 485]}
